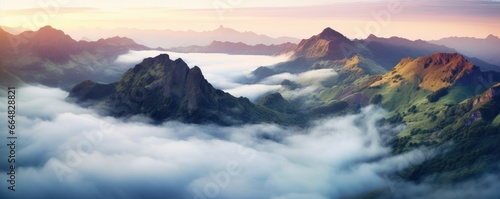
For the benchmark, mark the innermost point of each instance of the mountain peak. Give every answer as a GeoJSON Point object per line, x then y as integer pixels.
{"type": "Point", "coordinates": [330, 34]}
{"type": "Point", "coordinates": [49, 34]}
{"type": "Point", "coordinates": [47, 28]}
{"type": "Point", "coordinates": [116, 40]}
{"type": "Point", "coordinates": [433, 72]}
{"type": "Point", "coordinates": [492, 37]}
{"type": "Point", "coordinates": [49, 31]}
{"type": "Point", "coordinates": [371, 36]}
{"type": "Point", "coordinates": [444, 58]}
{"type": "Point", "coordinates": [221, 28]}
{"type": "Point", "coordinates": [329, 44]}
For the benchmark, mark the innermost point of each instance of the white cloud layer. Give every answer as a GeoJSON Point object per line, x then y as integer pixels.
{"type": "Point", "coordinates": [67, 151]}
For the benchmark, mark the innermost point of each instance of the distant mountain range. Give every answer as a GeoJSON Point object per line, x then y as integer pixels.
{"type": "Point", "coordinates": [237, 48]}
{"type": "Point", "coordinates": [486, 49]}
{"type": "Point", "coordinates": [48, 56]}
{"type": "Point", "coordinates": [389, 51]}
{"type": "Point", "coordinates": [170, 38]}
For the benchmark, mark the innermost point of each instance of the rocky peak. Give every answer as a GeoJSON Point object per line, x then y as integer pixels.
{"type": "Point", "coordinates": [329, 44]}
{"type": "Point", "coordinates": [161, 59]}
{"type": "Point", "coordinates": [487, 96]}
{"type": "Point", "coordinates": [456, 59]}
{"type": "Point", "coordinates": [331, 35]}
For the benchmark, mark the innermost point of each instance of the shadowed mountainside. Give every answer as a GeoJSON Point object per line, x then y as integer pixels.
{"type": "Point", "coordinates": [165, 89]}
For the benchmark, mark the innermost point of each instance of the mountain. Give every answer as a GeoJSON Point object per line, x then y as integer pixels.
{"type": "Point", "coordinates": [237, 48]}
{"type": "Point", "coordinates": [50, 57]}
{"type": "Point", "coordinates": [121, 41]}
{"type": "Point", "coordinates": [331, 49]}
{"type": "Point", "coordinates": [171, 38]}
{"type": "Point", "coordinates": [329, 45]}
{"type": "Point", "coordinates": [49, 43]}
{"type": "Point", "coordinates": [486, 49]}
{"type": "Point", "coordinates": [445, 102]}
{"type": "Point", "coordinates": [433, 72]}
{"type": "Point", "coordinates": [328, 49]}
{"type": "Point", "coordinates": [316, 52]}
{"type": "Point", "coordinates": [165, 89]}
{"type": "Point", "coordinates": [5, 44]}
{"type": "Point", "coordinates": [13, 30]}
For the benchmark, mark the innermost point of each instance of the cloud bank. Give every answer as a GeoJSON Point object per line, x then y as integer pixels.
{"type": "Point", "coordinates": [68, 151]}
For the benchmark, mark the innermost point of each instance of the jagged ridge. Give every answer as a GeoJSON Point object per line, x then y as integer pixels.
{"type": "Point", "coordinates": [165, 89]}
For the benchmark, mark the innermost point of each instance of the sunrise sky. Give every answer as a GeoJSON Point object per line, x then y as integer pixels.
{"type": "Point", "coordinates": [424, 19]}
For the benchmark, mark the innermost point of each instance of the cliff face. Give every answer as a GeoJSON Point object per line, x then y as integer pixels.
{"type": "Point", "coordinates": [487, 96]}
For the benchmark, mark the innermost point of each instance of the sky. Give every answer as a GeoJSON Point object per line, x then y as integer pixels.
{"type": "Point", "coordinates": [422, 19]}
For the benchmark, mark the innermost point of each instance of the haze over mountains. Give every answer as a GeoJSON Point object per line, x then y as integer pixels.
{"type": "Point", "coordinates": [485, 49]}
{"type": "Point", "coordinates": [237, 48]}
{"type": "Point", "coordinates": [170, 38]}
{"type": "Point", "coordinates": [49, 56]}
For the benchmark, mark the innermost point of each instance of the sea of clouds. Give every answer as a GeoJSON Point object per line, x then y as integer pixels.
{"type": "Point", "coordinates": [64, 150]}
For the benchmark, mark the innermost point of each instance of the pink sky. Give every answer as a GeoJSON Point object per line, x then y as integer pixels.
{"type": "Point", "coordinates": [422, 19]}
